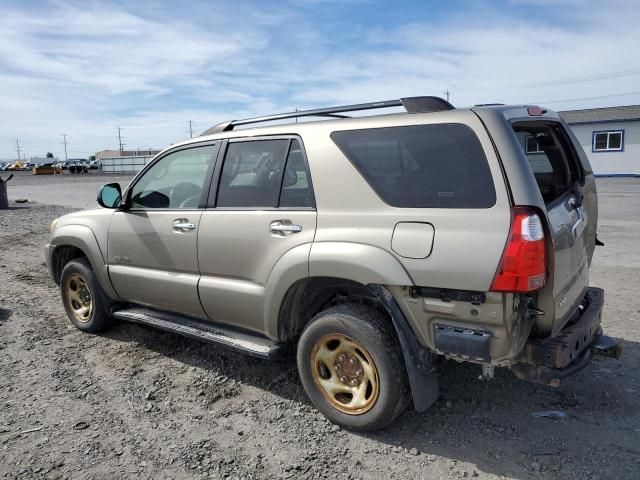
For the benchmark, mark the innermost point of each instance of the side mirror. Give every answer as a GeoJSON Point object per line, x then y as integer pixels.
{"type": "Point", "coordinates": [110, 195]}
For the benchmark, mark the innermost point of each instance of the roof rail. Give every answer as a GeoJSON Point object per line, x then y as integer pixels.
{"type": "Point", "coordinates": [411, 105]}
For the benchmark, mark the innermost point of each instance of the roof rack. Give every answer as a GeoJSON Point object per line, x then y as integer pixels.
{"type": "Point", "coordinates": [411, 105]}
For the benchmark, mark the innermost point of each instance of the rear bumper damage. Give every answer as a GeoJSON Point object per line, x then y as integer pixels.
{"type": "Point", "coordinates": [549, 360]}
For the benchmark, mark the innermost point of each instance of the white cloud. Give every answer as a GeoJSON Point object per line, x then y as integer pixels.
{"type": "Point", "coordinates": [86, 68]}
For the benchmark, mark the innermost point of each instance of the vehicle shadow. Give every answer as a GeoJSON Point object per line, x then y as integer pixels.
{"type": "Point", "coordinates": [477, 426]}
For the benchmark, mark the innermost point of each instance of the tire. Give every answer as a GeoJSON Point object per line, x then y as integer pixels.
{"type": "Point", "coordinates": [79, 288]}
{"type": "Point", "coordinates": [376, 346]}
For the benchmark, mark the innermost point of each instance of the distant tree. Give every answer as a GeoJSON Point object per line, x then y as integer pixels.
{"type": "Point", "coordinates": [49, 155]}
{"type": "Point", "coordinates": [92, 158]}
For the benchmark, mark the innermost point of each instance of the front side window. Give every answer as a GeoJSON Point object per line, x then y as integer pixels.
{"type": "Point", "coordinates": [175, 181]}
{"type": "Point", "coordinates": [422, 166]}
{"type": "Point", "coordinates": [611, 141]}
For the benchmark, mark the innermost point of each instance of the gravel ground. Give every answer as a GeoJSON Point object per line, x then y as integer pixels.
{"type": "Point", "coordinates": [139, 403]}
{"type": "Point", "coordinates": [70, 190]}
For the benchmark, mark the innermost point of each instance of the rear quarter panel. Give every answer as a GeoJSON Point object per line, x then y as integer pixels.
{"type": "Point", "coordinates": [467, 244]}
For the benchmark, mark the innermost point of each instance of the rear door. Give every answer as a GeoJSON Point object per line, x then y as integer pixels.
{"type": "Point", "coordinates": [261, 207]}
{"type": "Point", "coordinates": [568, 191]}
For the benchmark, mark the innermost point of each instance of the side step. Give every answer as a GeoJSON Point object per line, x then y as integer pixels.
{"type": "Point", "coordinates": [204, 331]}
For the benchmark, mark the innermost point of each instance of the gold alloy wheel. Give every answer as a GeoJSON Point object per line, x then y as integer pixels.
{"type": "Point", "coordinates": [345, 373]}
{"type": "Point", "coordinates": [79, 297]}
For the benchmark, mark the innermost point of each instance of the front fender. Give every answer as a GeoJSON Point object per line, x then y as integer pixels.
{"type": "Point", "coordinates": [81, 237]}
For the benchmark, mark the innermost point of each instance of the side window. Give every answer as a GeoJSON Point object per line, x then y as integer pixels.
{"type": "Point", "coordinates": [421, 166]}
{"type": "Point", "coordinates": [296, 184]}
{"type": "Point", "coordinates": [252, 174]}
{"type": "Point", "coordinates": [553, 163]}
{"type": "Point", "coordinates": [612, 141]}
{"type": "Point", "coordinates": [175, 181]}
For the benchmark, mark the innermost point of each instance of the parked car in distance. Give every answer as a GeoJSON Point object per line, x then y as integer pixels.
{"type": "Point", "coordinates": [15, 166]}
{"type": "Point", "coordinates": [369, 245]}
{"type": "Point", "coordinates": [78, 165]}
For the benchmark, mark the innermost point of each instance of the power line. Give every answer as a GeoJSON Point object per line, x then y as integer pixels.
{"type": "Point", "coordinates": [559, 81]}
{"type": "Point", "coordinates": [190, 129]}
{"type": "Point", "coordinates": [637, 92]}
{"type": "Point", "coordinates": [120, 137]}
{"type": "Point", "coordinates": [64, 136]}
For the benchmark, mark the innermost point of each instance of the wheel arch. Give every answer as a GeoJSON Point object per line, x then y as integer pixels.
{"type": "Point", "coordinates": [74, 241]}
{"type": "Point", "coordinates": [310, 296]}
{"type": "Point", "coordinates": [347, 263]}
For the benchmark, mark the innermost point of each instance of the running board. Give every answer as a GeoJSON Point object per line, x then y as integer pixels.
{"type": "Point", "coordinates": [204, 331]}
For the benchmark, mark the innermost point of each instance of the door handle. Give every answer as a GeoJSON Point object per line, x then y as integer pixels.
{"type": "Point", "coordinates": [284, 227]}
{"type": "Point", "coordinates": [183, 225]}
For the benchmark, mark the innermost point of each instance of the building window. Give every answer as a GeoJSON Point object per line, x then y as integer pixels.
{"type": "Point", "coordinates": [531, 145]}
{"type": "Point", "coordinates": [611, 141]}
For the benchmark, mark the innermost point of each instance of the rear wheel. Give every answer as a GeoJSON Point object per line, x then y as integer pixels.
{"type": "Point", "coordinates": [351, 367]}
{"type": "Point", "coordinates": [87, 306]}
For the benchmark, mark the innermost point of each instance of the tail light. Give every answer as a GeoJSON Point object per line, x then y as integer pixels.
{"type": "Point", "coordinates": [522, 268]}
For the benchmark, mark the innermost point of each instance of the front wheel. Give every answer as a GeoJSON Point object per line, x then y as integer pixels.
{"type": "Point", "coordinates": [87, 306]}
{"type": "Point", "coordinates": [351, 367]}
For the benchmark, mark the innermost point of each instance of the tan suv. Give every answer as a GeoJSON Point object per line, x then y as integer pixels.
{"type": "Point", "coordinates": [371, 245]}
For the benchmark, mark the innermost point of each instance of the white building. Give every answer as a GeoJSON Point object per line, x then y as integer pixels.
{"type": "Point", "coordinates": [128, 164]}
{"type": "Point", "coordinates": [609, 136]}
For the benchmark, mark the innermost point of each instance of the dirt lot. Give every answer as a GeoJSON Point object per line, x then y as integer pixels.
{"type": "Point", "coordinates": [139, 403]}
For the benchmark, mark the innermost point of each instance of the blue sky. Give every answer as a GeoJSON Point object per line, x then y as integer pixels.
{"type": "Point", "coordinates": [84, 68]}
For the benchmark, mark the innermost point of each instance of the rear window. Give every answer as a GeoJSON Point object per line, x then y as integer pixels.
{"type": "Point", "coordinates": [550, 156]}
{"type": "Point", "coordinates": [421, 166]}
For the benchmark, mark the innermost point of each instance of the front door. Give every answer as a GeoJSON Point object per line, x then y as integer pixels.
{"type": "Point", "coordinates": [264, 208]}
{"type": "Point", "coordinates": [152, 248]}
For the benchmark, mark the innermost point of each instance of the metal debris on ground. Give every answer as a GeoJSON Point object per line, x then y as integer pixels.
{"type": "Point", "coordinates": [31, 430]}
{"type": "Point", "coordinates": [81, 426]}
{"type": "Point", "coordinates": [552, 414]}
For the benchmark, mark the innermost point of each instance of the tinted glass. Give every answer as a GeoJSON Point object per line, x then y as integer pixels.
{"type": "Point", "coordinates": [554, 166]}
{"type": "Point", "coordinates": [535, 154]}
{"type": "Point", "coordinates": [532, 145]}
{"type": "Point", "coordinates": [175, 181]}
{"type": "Point", "coordinates": [252, 174]}
{"type": "Point", "coordinates": [437, 166]}
{"type": "Point", "coordinates": [296, 184]}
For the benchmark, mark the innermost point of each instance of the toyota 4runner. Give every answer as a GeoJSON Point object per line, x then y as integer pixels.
{"type": "Point", "coordinates": [370, 244]}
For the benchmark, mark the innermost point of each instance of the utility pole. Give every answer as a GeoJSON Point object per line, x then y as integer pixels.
{"type": "Point", "coordinates": [64, 136]}
{"type": "Point", "coordinates": [120, 141]}
{"type": "Point", "coordinates": [447, 93]}
{"type": "Point", "coordinates": [190, 129]}
{"type": "Point", "coordinates": [18, 147]}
